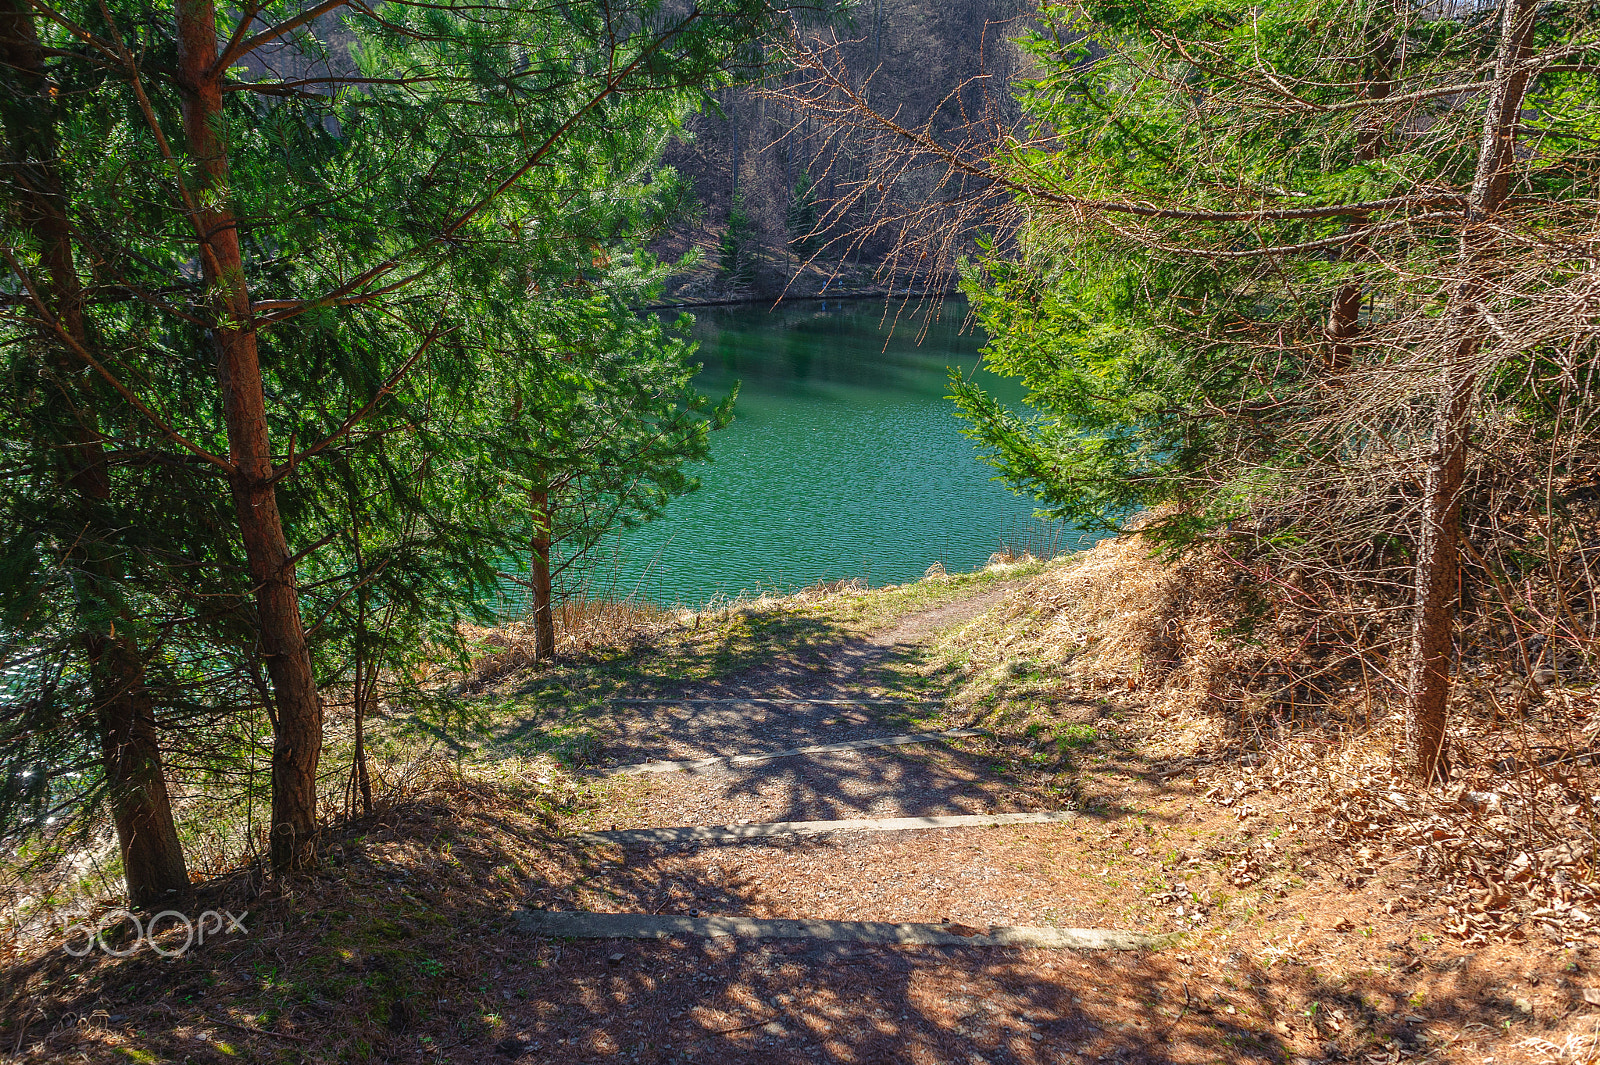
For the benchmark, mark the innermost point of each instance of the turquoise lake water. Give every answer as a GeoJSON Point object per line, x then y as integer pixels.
{"type": "Point", "coordinates": [845, 459]}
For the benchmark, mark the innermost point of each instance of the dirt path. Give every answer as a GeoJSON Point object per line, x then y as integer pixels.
{"type": "Point", "coordinates": [1314, 967]}
{"type": "Point", "coordinates": [758, 1000]}
{"type": "Point", "coordinates": [907, 781]}
{"type": "Point", "coordinates": [417, 941]}
{"type": "Point", "coordinates": [967, 878]}
{"type": "Point", "coordinates": [675, 726]}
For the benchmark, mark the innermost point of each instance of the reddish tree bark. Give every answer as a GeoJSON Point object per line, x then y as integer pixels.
{"type": "Point", "coordinates": [544, 623]}
{"type": "Point", "coordinates": [297, 726]}
{"type": "Point", "coordinates": [141, 809]}
{"type": "Point", "coordinates": [1344, 318]}
{"type": "Point", "coordinates": [1438, 552]}
{"type": "Point", "coordinates": [365, 687]}
{"type": "Point", "coordinates": [147, 835]}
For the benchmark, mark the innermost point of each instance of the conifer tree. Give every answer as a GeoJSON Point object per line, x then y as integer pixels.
{"type": "Point", "coordinates": [1259, 267]}
{"type": "Point", "coordinates": [598, 417]}
{"type": "Point", "coordinates": [801, 218]}
{"type": "Point", "coordinates": [737, 249]}
{"type": "Point", "coordinates": [273, 224]}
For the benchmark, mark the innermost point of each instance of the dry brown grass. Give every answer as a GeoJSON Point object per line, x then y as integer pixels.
{"type": "Point", "coordinates": [584, 626]}
{"type": "Point", "coordinates": [1117, 618]}
{"type": "Point", "coordinates": [1511, 844]}
{"type": "Point", "coordinates": [224, 838]}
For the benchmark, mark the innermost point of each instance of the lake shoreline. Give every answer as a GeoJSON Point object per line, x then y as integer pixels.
{"type": "Point", "coordinates": [845, 459]}
{"type": "Point", "coordinates": [762, 301]}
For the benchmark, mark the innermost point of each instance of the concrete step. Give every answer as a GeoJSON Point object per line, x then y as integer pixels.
{"type": "Point", "coordinates": [580, 924]}
{"type": "Point", "coordinates": [728, 833]}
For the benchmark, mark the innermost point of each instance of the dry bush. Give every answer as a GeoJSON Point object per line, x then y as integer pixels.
{"type": "Point", "coordinates": [584, 625]}
{"type": "Point", "coordinates": [1512, 843]}
{"type": "Point", "coordinates": [821, 589]}
{"type": "Point", "coordinates": [1118, 617]}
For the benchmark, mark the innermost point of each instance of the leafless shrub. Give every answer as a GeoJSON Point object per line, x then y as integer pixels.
{"type": "Point", "coordinates": [584, 625]}
{"type": "Point", "coordinates": [915, 182]}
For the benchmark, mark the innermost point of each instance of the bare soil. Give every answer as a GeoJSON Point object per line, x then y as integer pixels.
{"type": "Point", "coordinates": [404, 948]}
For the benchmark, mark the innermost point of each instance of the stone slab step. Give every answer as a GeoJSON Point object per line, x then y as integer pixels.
{"type": "Point", "coordinates": [724, 833]}
{"type": "Point", "coordinates": [731, 761]}
{"type": "Point", "coordinates": [779, 702]}
{"type": "Point", "coordinates": [584, 925]}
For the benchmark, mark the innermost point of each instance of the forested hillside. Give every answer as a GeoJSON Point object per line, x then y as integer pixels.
{"type": "Point", "coordinates": [805, 189]}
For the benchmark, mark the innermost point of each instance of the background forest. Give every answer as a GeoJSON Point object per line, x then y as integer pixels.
{"type": "Point", "coordinates": [809, 219]}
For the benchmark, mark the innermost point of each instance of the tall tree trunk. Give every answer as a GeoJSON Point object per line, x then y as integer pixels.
{"type": "Point", "coordinates": [358, 767]}
{"type": "Point", "coordinates": [147, 835]}
{"type": "Point", "coordinates": [141, 810]}
{"type": "Point", "coordinates": [1438, 552]}
{"type": "Point", "coordinates": [1344, 318]}
{"type": "Point", "coordinates": [358, 789]}
{"type": "Point", "coordinates": [733, 124]}
{"type": "Point", "coordinates": [297, 727]}
{"type": "Point", "coordinates": [363, 689]}
{"type": "Point", "coordinates": [544, 622]}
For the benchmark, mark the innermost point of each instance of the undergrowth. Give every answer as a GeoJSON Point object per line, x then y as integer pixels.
{"type": "Point", "coordinates": [1115, 648]}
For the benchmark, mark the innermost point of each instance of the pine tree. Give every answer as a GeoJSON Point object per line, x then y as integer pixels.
{"type": "Point", "coordinates": [598, 417]}
{"type": "Point", "coordinates": [736, 252]}
{"type": "Point", "coordinates": [801, 218]}
{"type": "Point", "coordinates": [276, 262]}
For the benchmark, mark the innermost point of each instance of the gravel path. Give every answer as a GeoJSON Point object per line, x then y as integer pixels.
{"type": "Point", "coordinates": [952, 872]}
{"type": "Point", "coordinates": [842, 703]}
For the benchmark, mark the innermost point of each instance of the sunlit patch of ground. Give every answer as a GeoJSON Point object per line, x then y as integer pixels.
{"type": "Point", "coordinates": [1299, 944]}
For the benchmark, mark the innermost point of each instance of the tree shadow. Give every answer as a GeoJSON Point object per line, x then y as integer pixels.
{"type": "Point", "coordinates": [999, 772]}
{"type": "Point", "coordinates": [771, 654]}
{"type": "Point", "coordinates": [785, 1001]}
{"type": "Point", "coordinates": [405, 947]}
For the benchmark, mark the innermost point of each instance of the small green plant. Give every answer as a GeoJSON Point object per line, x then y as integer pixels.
{"type": "Point", "coordinates": [800, 219]}
{"type": "Point", "coordinates": [431, 967]}
{"type": "Point", "coordinates": [1074, 736]}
